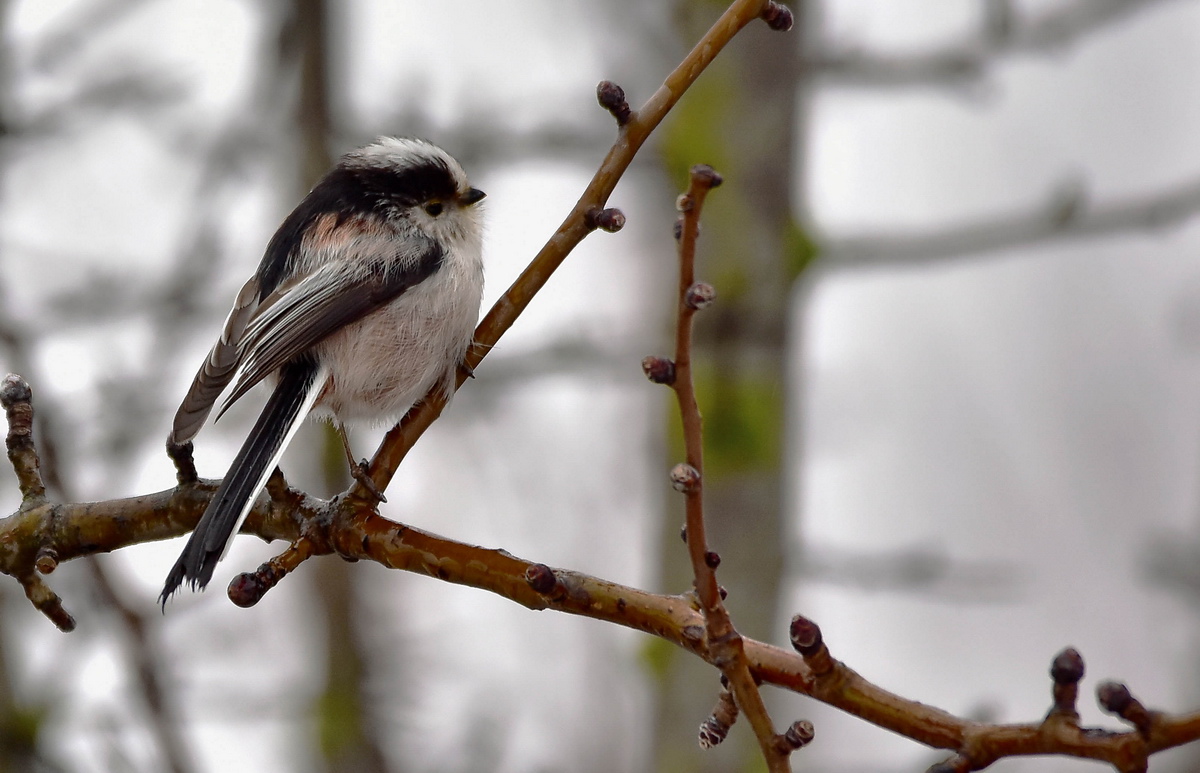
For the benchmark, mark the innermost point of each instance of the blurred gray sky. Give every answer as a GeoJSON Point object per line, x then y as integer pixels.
{"type": "Point", "coordinates": [1028, 415]}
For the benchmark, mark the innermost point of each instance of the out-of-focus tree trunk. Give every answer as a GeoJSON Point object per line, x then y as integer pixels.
{"type": "Point", "coordinates": [20, 724]}
{"type": "Point", "coordinates": [346, 738]}
{"type": "Point", "coordinates": [741, 118]}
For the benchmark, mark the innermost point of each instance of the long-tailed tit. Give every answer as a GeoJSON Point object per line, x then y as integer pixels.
{"type": "Point", "coordinates": [365, 300]}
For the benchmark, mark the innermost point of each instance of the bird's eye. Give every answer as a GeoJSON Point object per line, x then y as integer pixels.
{"type": "Point", "coordinates": [434, 208]}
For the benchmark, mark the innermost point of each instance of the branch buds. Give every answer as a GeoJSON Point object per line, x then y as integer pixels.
{"type": "Point", "coordinates": [1067, 667]}
{"type": "Point", "coordinates": [46, 560]}
{"type": "Point", "coordinates": [799, 735]}
{"type": "Point", "coordinates": [716, 727]}
{"type": "Point", "coordinates": [612, 98]}
{"type": "Point", "coordinates": [706, 177]}
{"type": "Point", "coordinates": [805, 635]}
{"type": "Point", "coordinates": [685, 478]}
{"type": "Point", "coordinates": [248, 588]}
{"type": "Point", "coordinates": [699, 296]}
{"type": "Point", "coordinates": [778, 17]}
{"type": "Point", "coordinates": [1115, 698]}
{"type": "Point", "coordinates": [660, 370]}
{"type": "Point", "coordinates": [17, 399]}
{"type": "Point", "coordinates": [611, 219]}
{"type": "Point", "coordinates": [1066, 671]}
{"type": "Point", "coordinates": [541, 578]}
{"type": "Point", "coordinates": [807, 640]}
{"type": "Point", "coordinates": [14, 390]}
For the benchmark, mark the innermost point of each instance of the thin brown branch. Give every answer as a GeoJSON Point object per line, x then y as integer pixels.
{"type": "Point", "coordinates": [724, 641]}
{"type": "Point", "coordinates": [630, 137]}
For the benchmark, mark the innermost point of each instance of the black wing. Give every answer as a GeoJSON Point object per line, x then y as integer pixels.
{"type": "Point", "coordinates": [344, 289]}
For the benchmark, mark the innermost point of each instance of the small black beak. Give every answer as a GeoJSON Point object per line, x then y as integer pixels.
{"type": "Point", "coordinates": [472, 196]}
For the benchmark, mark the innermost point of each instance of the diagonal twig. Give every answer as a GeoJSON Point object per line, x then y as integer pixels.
{"type": "Point", "coordinates": [634, 128]}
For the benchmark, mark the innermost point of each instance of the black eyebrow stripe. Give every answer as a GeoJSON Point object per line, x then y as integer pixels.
{"type": "Point", "coordinates": [351, 189]}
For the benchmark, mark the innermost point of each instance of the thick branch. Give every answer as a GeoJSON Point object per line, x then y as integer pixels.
{"type": "Point", "coordinates": [338, 526]}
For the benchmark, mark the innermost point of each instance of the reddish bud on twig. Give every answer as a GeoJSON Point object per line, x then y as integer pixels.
{"type": "Point", "coordinates": [248, 588]}
{"type": "Point", "coordinates": [685, 478]}
{"type": "Point", "coordinates": [660, 370]}
{"type": "Point", "coordinates": [1067, 667]}
{"type": "Point", "coordinates": [799, 735]}
{"type": "Point", "coordinates": [807, 639]}
{"type": "Point", "coordinates": [712, 560]}
{"type": "Point", "coordinates": [13, 390]}
{"type": "Point", "coordinates": [612, 98]}
{"type": "Point", "coordinates": [541, 578]}
{"type": "Point", "coordinates": [46, 561]}
{"type": "Point", "coordinates": [712, 733]}
{"type": "Point", "coordinates": [699, 296]}
{"type": "Point", "coordinates": [705, 175]}
{"type": "Point", "coordinates": [805, 635]}
{"type": "Point", "coordinates": [1066, 671]}
{"type": "Point", "coordinates": [17, 399]}
{"type": "Point", "coordinates": [724, 593]}
{"type": "Point", "coordinates": [778, 17]}
{"type": "Point", "coordinates": [610, 220]}
{"type": "Point", "coordinates": [1115, 698]}
{"type": "Point", "coordinates": [716, 727]}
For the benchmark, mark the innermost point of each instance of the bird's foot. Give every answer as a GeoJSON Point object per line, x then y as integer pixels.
{"type": "Point", "coordinates": [360, 474]}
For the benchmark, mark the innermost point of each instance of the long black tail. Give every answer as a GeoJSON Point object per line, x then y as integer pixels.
{"type": "Point", "coordinates": [284, 413]}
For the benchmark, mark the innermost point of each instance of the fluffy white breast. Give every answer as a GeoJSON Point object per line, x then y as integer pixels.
{"type": "Point", "coordinates": [392, 357]}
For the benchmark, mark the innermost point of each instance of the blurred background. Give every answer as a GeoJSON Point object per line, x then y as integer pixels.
{"type": "Point", "coordinates": [950, 384]}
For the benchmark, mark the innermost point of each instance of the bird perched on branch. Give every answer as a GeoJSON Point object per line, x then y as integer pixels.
{"type": "Point", "coordinates": [365, 300]}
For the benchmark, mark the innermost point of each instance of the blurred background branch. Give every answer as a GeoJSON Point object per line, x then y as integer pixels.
{"type": "Point", "coordinates": [1004, 29]}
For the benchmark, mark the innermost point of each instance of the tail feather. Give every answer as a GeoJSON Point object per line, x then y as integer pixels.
{"type": "Point", "coordinates": [299, 385]}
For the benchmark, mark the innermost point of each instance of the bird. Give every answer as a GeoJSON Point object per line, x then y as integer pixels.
{"type": "Point", "coordinates": [366, 298]}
